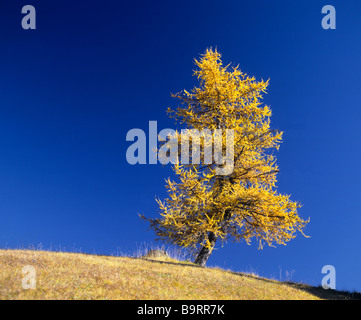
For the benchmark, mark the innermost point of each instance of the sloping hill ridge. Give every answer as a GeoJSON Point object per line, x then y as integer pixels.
{"type": "Point", "coordinates": [61, 275]}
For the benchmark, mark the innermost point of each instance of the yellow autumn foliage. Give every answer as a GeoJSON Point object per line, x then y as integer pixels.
{"type": "Point", "coordinates": [245, 203]}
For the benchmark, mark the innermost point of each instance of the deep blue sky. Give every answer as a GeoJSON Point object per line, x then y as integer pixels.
{"type": "Point", "coordinates": [92, 70]}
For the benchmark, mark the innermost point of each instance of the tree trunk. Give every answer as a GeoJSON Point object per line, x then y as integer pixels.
{"type": "Point", "coordinates": [205, 252]}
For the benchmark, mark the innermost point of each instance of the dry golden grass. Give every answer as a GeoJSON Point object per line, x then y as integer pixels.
{"type": "Point", "coordinates": [80, 276]}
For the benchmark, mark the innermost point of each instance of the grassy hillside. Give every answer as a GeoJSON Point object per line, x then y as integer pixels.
{"type": "Point", "coordinates": [80, 276]}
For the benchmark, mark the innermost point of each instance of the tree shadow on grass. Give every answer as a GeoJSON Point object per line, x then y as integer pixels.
{"type": "Point", "coordinates": [319, 291]}
{"type": "Point", "coordinates": [175, 263]}
{"type": "Point", "coordinates": [327, 294]}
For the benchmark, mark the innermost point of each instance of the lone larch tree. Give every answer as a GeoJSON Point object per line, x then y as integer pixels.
{"type": "Point", "coordinates": [205, 207]}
